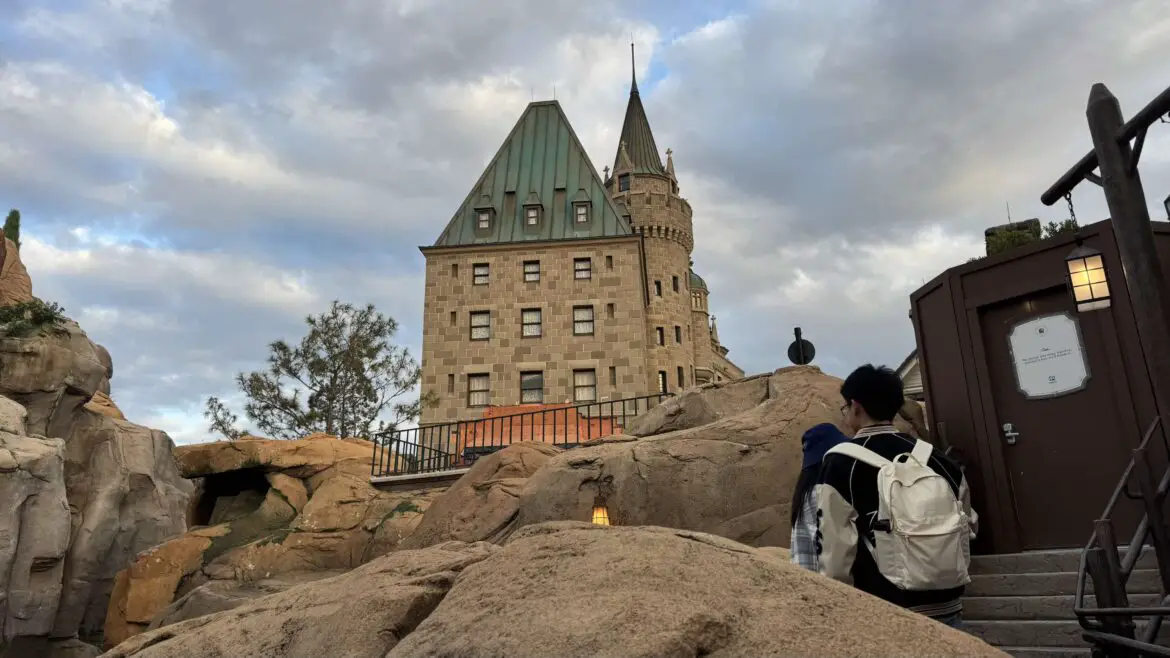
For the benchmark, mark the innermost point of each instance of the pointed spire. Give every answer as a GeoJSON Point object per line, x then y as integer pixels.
{"type": "Point", "coordinates": [633, 71]}
{"type": "Point", "coordinates": [623, 164]}
{"type": "Point", "coordinates": [670, 163]}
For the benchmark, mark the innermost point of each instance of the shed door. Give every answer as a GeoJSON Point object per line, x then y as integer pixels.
{"type": "Point", "coordinates": [1057, 418]}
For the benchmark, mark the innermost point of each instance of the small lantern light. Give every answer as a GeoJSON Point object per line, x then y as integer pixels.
{"type": "Point", "coordinates": [600, 512]}
{"type": "Point", "coordinates": [1086, 276]}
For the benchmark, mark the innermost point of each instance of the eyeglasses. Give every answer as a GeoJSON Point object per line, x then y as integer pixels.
{"type": "Point", "coordinates": [845, 407]}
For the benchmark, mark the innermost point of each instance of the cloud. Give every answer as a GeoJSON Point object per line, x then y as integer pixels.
{"type": "Point", "coordinates": [198, 175]}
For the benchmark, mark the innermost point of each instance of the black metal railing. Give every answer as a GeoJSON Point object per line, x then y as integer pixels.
{"type": "Point", "coordinates": [447, 446]}
{"type": "Point", "coordinates": [1110, 625]}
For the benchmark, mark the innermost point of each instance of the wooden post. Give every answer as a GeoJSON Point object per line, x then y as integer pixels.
{"type": "Point", "coordinates": [1135, 240]}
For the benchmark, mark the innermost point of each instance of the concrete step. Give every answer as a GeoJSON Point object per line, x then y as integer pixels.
{"type": "Point", "coordinates": [1039, 633]}
{"type": "Point", "coordinates": [1054, 561]}
{"type": "Point", "coordinates": [1036, 607]}
{"type": "Point", "coordinates": [1141, 581]}
{"type": "Point", "coordinates": [1047, 652]}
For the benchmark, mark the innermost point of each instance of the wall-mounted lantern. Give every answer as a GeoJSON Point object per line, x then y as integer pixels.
{"type": "Point", "coordinates": [1087, 278]}
{"type": "Point", "coordinates": [600, 511]}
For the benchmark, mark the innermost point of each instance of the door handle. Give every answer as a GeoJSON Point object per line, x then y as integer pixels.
{"type": "Point", "coordinates": [1010, 434]}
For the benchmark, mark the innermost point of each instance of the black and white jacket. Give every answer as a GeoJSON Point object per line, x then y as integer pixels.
{"type": "Point", "coordinates": [847, 502]}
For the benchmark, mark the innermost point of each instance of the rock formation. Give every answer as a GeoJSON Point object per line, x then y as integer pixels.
{"type": "Point", "coordinates": [267, 514]}
{"type": "Point", "coordinates": [96, 489]}
{"type": "Point", "coordinates": [721, 459]}
{"type": "Point", "coordinates": [566, 589]}
{"type": "Point", "coordinates": [15, 286]}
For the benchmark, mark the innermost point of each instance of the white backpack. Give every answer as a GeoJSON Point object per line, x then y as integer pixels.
{"type": "Point", "coordinates": [922, 534]}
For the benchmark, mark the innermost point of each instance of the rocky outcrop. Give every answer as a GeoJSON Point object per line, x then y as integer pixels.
{"type": "Point", "coordinates": [122, 492]}
{"type": "Point", "coordinates": [566, 589]}
{"type": "Point", "coordinates": [482, 505]}
{"type": "Point", "coordinates": [264, 511]}
{"type": "Point", "coordinates": [15, 285]}
{"type": "Point", "coordinates": [721, 459]}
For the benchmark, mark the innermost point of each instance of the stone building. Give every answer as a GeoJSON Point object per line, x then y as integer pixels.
{"type": "Point", "coordinates": [553, 284]}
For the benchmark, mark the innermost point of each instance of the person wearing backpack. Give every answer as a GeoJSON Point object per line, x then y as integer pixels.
{"type": "Point", "coordinates": [894, 516]}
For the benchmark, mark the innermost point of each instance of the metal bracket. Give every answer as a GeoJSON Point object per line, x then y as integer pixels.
{"type": "Point", "coordinates": [1094, 179]}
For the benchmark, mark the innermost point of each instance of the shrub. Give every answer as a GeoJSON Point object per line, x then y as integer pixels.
{"type": "Point", "coordinates": [32, 317]}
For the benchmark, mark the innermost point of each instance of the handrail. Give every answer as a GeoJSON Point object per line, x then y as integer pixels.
{"type": "Point", "coordinates": [438, 447]}
{"type": "Point", "coordinates": [1110, 625]}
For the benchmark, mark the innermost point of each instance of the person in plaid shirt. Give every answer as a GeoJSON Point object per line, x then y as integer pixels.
{"type": "Point", "coordinates": [816, 442]}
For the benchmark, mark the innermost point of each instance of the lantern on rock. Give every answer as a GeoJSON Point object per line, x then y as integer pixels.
{"type": "Point", "coordinates": [600, 512]}
{"type": "Point", "coordinates": [1087, 278]}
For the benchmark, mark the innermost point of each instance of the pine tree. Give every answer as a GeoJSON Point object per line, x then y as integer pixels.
{"type": "Point", "coordinates": [12, 227]}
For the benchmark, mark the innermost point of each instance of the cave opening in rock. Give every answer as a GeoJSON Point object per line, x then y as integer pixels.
{"type": "Point", "coordinates": [227, 496]}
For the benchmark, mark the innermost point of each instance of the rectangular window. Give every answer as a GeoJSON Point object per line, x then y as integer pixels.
{"type": "Point", "coordinates": [624, 183]}
{"type": "Point", "coordinates": [582, 268]}
{"type": "Point", "coordinates": [609, 262]}
{"type": "Point", "coordinates": [681, 382]}
{"type": "Point", "coordinates": [609, 310]}
{"type": "Point", "coordinates": [481, 325]}
{"type": "Point", "coordinates": [661, 333]}
{"type": "Point", "coordinates": [674, 283]}
{"type": "Point", "coordinates": [585, 385]}
{"type": "Point", "coordinates": [479, 274]}
{"type": "Point", "coordinates": [582, 214]}
{"type": "Point", "coordinates": [454, 318]}
{"type": "Point", "coordinates": [455, 269]}
{"type": "Point", "coordinates": [450, 383]}
{"type": "Point", "coordinates": [662, 382]}
{"type": "Point", "coordinates": [483, 221]}
{"type": "Point", "coordinates": [532, 216]}
{"type": "Point", "coordinates": [531, 387]}
{"type": "Point", "coordinates": [478, 393]}
{"type": "Point", "coordinates": [677, 334]}
{"type": "Point", "coordinates": [530, 323]}
{"type": "Point", "coordinates": [612, 376]}
{"type": "Point", "coordinates": [531, 270]}
{"type": "Point", "coordinates": [658, 288]}
{"type": "Point", "coordinates": [582, 320]}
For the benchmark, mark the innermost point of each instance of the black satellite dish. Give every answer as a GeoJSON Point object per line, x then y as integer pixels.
{"type": "Point", "coordinates": [801, 352]}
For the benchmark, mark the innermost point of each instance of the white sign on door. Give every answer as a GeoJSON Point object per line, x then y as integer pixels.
{"type": "Point", "coordinates": [1048, 356]}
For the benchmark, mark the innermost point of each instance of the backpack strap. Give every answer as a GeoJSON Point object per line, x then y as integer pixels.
{"type": "Point", "coordinates": [922, 451]}
{"type": "Point", "coordinates": [860, 453]}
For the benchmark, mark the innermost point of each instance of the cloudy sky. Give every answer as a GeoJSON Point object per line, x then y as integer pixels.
{"type": "Point", "coordinates": [198, 175]}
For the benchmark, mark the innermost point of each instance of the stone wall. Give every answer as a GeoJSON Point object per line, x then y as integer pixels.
{"type": "Point", "coordinates": [451, 296]}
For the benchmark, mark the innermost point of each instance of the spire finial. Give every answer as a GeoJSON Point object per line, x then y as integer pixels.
{"type": "Point", "coordinates": [633, 71]}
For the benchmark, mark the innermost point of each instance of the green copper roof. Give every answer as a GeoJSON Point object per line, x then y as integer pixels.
{"type": "Point", "coordinates": [638, 138]}
{"type": "Point", "coordinates": [697, 282]}
{"type": "Point", "coordinates": [542, 165]}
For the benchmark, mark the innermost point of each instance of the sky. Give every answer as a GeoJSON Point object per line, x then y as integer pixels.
{"type": "Point", "coordinates": [197, 176]}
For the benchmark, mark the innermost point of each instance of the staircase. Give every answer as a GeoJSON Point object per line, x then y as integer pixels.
{"type": "Point", "coordinates": [1023, 603]}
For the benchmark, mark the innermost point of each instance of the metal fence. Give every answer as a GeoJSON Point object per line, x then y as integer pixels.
{"type": "Point", "coordinates": [447, 446]}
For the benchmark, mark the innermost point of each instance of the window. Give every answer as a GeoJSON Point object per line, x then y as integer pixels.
{"type": "Point", "coordinates": [612, 376]}
{"type": "Point", "coordinates": [455, 270]}
{"type": "Point", "coordinates": [677, 334]}
{"type": "Point", "coordinates": [674, 283]}
{"type": "Point", "coordinates": [582, 268]}
{"type": "Point", "coordinates": [531, 270]}
{"type": "Point", "coordinates": [532, 216]}
{"type": "Point", "coordinates": [479, 274]}
{"type": "Point", "coordinates": [478, 393]}
{"type": "Point", "coordinates": [681, 382]}
{"type": "Point", "coordinates": [661, 335]}
{"type": "Point", "coordinates": [581, 213]}
{"type": "Point", "coordinates": [451, 383]}
{"type": "Point", "coordinates": [481, 325]}
{"type": "Point", "coordinates": [531, 387]}
{"type": "Point", "coordinates": [585, 385]}
{"type": "Point", "coordinates": [483, 220]}
{"type": "Point", "coordinates": [454, 318]}
{"type": "Point", "coordinates": [530, 323]}
{"type": "Point", "coordinates": [609, 311]}
{"type": "Point", "coordinates": [658, 288]}
{"type": "Point", "coordinates": [662, 382]}
{"type": "Point", "coordinates": [624, 183]}
{"type": "Point", "coordinates": [582, 320]}
{"type": "Point", "coordinates": [609, 262]}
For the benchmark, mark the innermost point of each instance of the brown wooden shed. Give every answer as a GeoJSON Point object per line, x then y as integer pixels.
{"type": "Point", "coordinates": [1043, 404]}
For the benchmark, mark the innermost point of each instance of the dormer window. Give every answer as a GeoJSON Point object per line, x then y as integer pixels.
{"type": "Point", "coordinates": [581, 208]}
{"type": "Point", "coordinates": [533, 212]}
{"type": "Point", "coordinates": [581, 214]}
{"type": "Point", "coordinates": [485, 214]}
{"type": "Point", "coordinates": [624, 183]}
{"type": "Point", "coordinates": [532, 216]}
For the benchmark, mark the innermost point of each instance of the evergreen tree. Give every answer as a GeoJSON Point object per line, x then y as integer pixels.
{"type": "Point", "coordinates": [344, 378]}
{"type": "Point", "coordinates": [12, 227]}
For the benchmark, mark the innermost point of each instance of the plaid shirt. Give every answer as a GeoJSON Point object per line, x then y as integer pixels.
{"type": "Point", "coordinates": [804, 536]}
